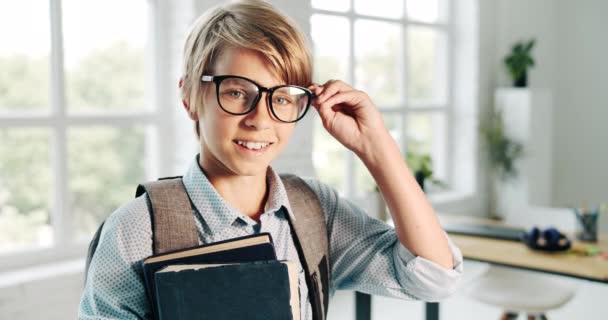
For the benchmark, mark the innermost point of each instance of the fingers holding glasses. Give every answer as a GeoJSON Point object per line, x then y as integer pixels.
{"type": "Point", "coordinates": [347, 114]}
{"type": "Point", "coordinates": [330, 88]}
{"type": "Point", "coordinates": [345, 101]}
{"type": "Point", "coordinates": [339, 96]}
{"type": "Point", "coordinates": [316, 89]}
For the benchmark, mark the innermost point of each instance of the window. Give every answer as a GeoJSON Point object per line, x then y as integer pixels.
{"type": "Point", "coordinates": [75, 117]}
{"type": "Point", "coordinates": [398, 52]}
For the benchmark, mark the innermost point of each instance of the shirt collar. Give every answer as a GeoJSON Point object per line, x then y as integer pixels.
{"type": "Point", "coordinates": [277, 196]}
{"type": "Point", "coordinates": [208, 201]}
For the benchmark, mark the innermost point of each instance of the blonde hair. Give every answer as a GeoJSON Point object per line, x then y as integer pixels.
{"type": "Point", "coordinates": [251, 24]}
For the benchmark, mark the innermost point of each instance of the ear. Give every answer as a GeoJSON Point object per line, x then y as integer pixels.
{"type": "Point", "coordinates": [191, 113]}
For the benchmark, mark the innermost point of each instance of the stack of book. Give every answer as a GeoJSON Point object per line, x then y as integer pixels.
{"type": "Point", "coordinates": [238, 278]}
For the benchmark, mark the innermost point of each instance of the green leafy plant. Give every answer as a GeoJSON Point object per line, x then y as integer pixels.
{"type": "Point", "coordinates": [421, 165]}
{"type": "Point", "coordinates": [502, 151]}
{"type": "Point", "coordinates": [519, 60]}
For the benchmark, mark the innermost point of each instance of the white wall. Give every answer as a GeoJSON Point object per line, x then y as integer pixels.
{"type": "Point", "coordinates": [570, 55]}
{"type": "Point", "coordinates": [486, 84]}
{"type": "Point", "coordinates": [581, 92]}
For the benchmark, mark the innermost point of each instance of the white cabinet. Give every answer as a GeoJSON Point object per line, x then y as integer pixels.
{"type": "Point", "coordinates": [527, 115]}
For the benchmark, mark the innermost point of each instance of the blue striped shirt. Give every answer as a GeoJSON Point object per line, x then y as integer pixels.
{"type": "Point", "coordinates": [365, 253]}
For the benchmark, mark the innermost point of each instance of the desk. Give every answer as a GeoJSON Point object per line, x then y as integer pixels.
{"type": "Point", "coordinates": [592, 268]}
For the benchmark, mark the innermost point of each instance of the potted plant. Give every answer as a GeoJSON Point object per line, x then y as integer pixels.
{"type": "Point", "coordinates": [502, 150]}
{"type": "Point", "coordinates": [518, 62]}
{"type": "Point", "coordinates": [422, 167]}
{"type": "Point", "coordinates": [502, 153]}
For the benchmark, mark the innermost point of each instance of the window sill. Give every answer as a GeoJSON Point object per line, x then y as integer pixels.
{"type": "Point", "coordinates": [41, 272]}
{"type": "Point", "coordinates": [39, 257]}
{"type": "Point", "coordinates": [446, 197]}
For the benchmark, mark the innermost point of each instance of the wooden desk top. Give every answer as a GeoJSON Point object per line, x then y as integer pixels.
{"type": "Point", "coordinates": [517, 254]}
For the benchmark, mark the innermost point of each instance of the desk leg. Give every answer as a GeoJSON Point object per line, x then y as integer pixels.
{"type": "Point", "coordinates": [363, 306]}
{"type": "Point", "coordinates": [432, 310]}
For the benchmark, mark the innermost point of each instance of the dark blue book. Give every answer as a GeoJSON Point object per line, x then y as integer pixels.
{"type": "Point", "coordinates": [258, 247]}
{"type": "Point", "coordinates": [262, 290]}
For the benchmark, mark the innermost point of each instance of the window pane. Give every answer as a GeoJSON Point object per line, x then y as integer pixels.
{"type": "Point", "coordinates": [25, 189]}
{"type": "Point", "coordinates": [105, 167]}
{"type": "Point", "coordinates": [393, 122]}
{"type": "Point", "coordinates": [426, 135]}
{"type": "Point", "coordinates": [328, 157]}
{"type": "Point", "coordinates": [331, 42]}
{"type": "Point", "coordinates": [334, 5]}
{"type": "Point", "coordinates": [365, 182]}
{"type": "Point", "coordinates": [24, 55]}
{"type": "Point", "coordinates": [427, 70]}
{"type": "Point", "coordinates": [105, 44]}
{"type": "Point", "coordinates": [378, 61]}
{"type": "Point", "coordinates": [427, 10]}
{"type": "Point", "coordinates": [380, 8]}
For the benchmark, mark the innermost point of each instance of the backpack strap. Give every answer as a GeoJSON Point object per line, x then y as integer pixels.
{"type": "Point", "coordinates": [173, 225]}
{"type": "Point", "coordinates": [309, 233]}
{"type": "Point", "coordinates": [171, 218]}
{"type": "Point", "coordinates": [91, 251]}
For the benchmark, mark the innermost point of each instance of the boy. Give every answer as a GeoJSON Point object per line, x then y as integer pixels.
{"type": "Point", "coordinates": [246, 82]}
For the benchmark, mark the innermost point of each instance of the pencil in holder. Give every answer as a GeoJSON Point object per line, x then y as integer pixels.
{"type": "Point", "coordinates": [587, 224]}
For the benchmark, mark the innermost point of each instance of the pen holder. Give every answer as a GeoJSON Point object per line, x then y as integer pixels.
{"type": "Point", "coordinates": [587, 225]}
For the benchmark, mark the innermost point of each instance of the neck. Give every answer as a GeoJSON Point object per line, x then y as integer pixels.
{"type": "Point", "coordinates": [248, 194]}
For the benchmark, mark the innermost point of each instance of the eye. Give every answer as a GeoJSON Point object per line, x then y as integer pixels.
{"type": "Point", "coordinates": [282, 100]}
{"type": "Point", "coordinates": [235, 94]}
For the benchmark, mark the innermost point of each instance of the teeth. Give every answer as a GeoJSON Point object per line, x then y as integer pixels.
{"type": "Point", "coordinates": [253, 145]}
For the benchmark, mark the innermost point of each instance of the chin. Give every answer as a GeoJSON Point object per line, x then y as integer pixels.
{"type": "Point", "coordinates": [248, 167]}
{"type": "Point", "coordinates": [249, 170]}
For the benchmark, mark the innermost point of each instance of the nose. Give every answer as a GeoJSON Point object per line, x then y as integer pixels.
{"type": "Point", "coordinates": [261, 117]}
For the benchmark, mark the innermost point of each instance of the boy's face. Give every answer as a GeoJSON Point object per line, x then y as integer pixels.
{"type": "Point", "coordinates": [223, 134]}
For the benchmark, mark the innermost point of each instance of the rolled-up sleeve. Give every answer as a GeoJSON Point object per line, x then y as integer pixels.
{"type": "Point", "coordinates": [429, 280]}
{"type": "Point", "coordinates": [366, 255]}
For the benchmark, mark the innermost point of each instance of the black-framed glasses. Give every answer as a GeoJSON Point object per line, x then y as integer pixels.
{"type": "Point", "coordinates": [238, 96]}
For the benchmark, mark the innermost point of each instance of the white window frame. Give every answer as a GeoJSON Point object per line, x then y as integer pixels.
{"type": "Point", "coordinates": [407, 107]}
{"type": "Point", "coordinates": [58, 120]}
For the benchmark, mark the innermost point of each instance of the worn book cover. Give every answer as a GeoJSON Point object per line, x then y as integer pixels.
{"type": "Point", "coordinates": [261, 290]}
{"type": "Point", "coordinates": [258, 247]}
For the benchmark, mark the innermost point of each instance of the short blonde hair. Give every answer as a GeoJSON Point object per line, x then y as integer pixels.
{"type": "Point", "coordinates": [251, 24]}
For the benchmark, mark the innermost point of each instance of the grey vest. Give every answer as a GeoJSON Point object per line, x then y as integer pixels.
{"type": "Point", "coordinates": [173, 228]}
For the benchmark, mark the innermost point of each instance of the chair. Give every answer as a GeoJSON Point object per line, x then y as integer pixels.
{"type": "Point", "coordinates": [520, 291]}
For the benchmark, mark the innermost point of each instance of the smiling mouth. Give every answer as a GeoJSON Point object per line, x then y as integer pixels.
{"type": "Point", "coordinates": [253, 145]}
